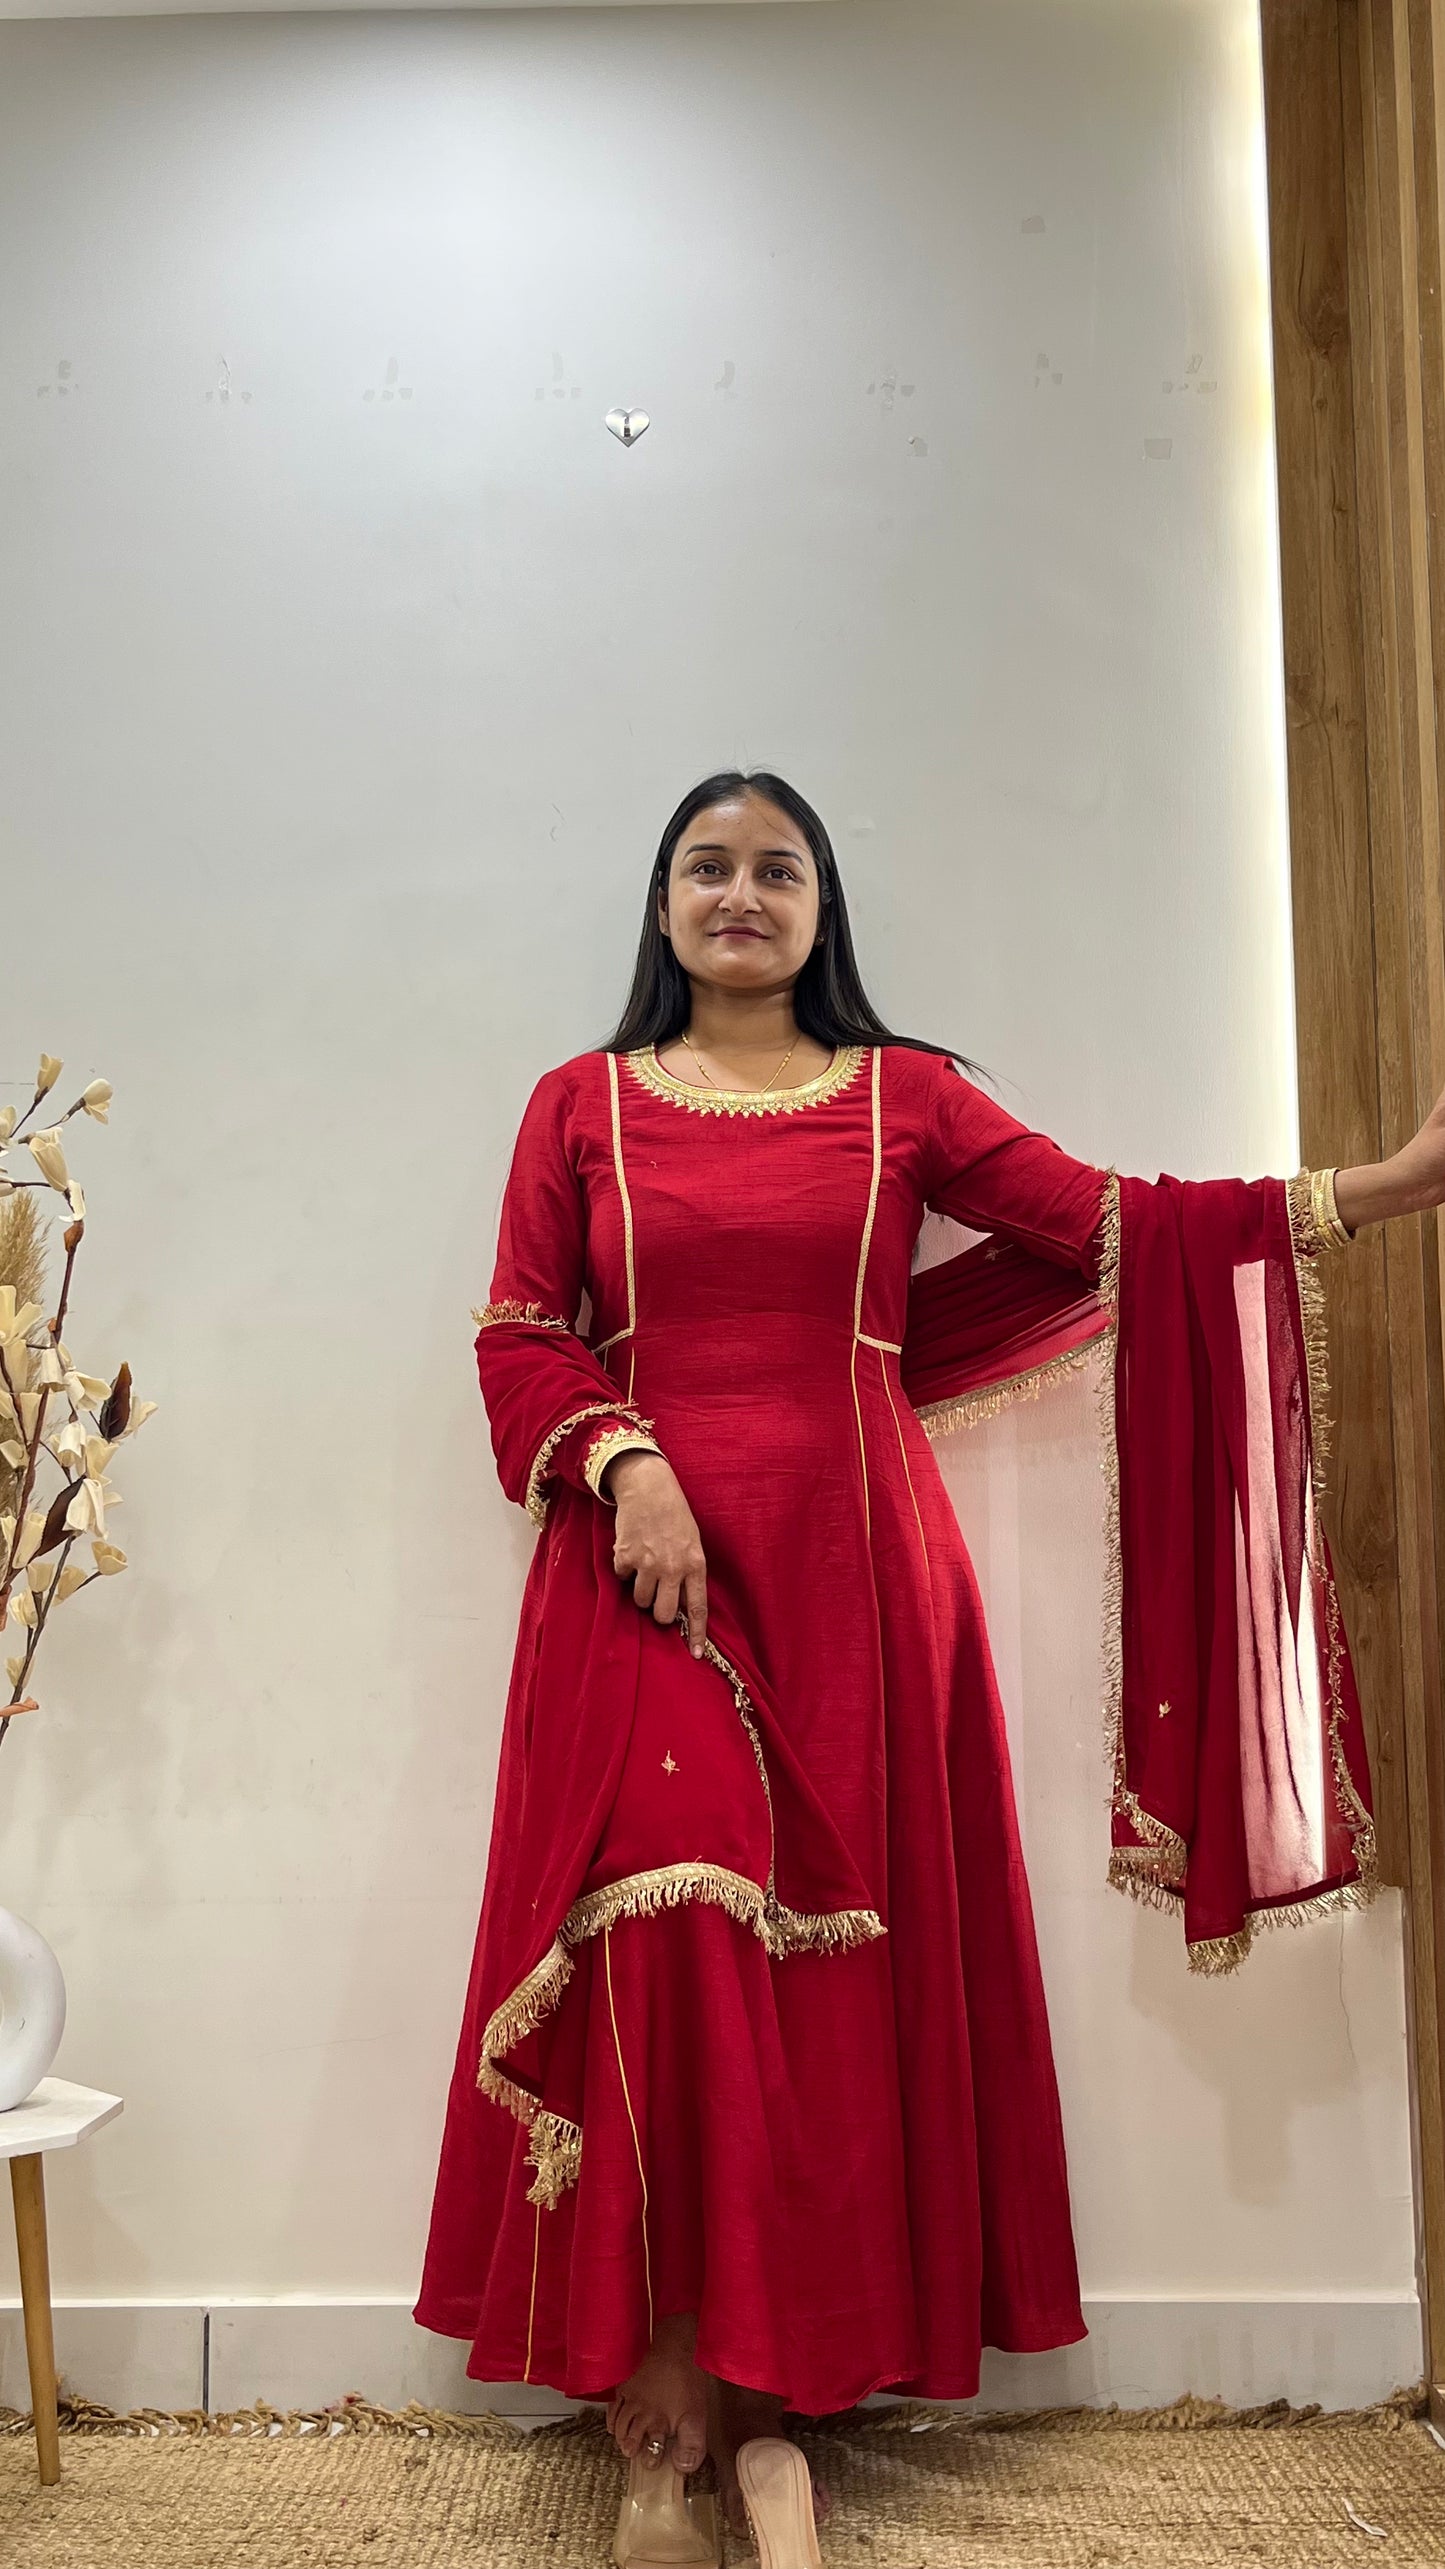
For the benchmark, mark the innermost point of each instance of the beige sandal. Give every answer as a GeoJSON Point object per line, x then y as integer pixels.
{"type": "Point", "coordinates": [777, 2489]}
{"type": "Point", "coordinates": [661, 2521]}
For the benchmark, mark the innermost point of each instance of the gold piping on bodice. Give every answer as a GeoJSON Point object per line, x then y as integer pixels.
{"type": "Point", "coordinates": [648, 1071]}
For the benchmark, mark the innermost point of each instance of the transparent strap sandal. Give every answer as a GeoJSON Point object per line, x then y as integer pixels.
{"type": "Point", "coordinates": [777, 2489]}
{"type": "Point", "coordinates": [662, 2521]}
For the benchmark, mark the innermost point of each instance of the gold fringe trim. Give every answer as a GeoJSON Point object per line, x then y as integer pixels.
{"type": "Point", "coordinates": [1147, 1888]}
{"type": "Point", "coordinates": [1357, 1818]}
{"type": "Point", "coordinates": [842, 1070]}
{"type": "Point", "coordinates": [557, 2157]}
{"type": "Point", "coordinates": [530, 2004]}
{"type": "Point", "coordinates": [782, 1931]}
{"type": "Point", "coordinates": [535, 1501]}
{"type": "Point", "coordinates": [826, 1931]}
{"type": "Point", "coordinates": [555, 2151]}
{"type": "Point", "coordinates": [496, 1315]}
{"type": "Point", "coordinates": [1161, 1859]}
{"type": "Point", "coordinates": [1306, 1243]}
{"type": "Point", "coordinates": [941, 1417]}
{"type": "Point", "coordinates": [646, 1895]}
{"type": "Point", "coordinates": [1214, 1956]}
{"type": "Point", "coordinates": [744, 1707]}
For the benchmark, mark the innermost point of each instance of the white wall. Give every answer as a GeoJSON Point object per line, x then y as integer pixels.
{"type": "Point", "coordinates": [351, 668]}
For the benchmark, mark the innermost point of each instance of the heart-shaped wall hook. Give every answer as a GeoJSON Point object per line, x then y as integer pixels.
{"type": "Point", "coordinates": [628, 424]}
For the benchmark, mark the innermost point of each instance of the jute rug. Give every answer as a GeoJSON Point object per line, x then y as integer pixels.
{"type": "Point", "coordinates": [1193, 2487]}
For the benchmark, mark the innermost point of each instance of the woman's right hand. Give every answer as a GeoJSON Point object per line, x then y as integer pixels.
{"type": "Point", "coordinates": [657, 1545]}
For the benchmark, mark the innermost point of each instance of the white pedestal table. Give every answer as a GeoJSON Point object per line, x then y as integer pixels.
{"type": "Point", "coordinates": [54, 2117]}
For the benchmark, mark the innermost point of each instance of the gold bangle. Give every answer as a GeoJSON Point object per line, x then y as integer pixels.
{"type": "Point", "coordinates": [1330, 1231]}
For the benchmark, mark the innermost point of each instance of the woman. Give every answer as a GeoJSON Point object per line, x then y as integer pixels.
{"type": "Point", "coordinates": [756, 1919]}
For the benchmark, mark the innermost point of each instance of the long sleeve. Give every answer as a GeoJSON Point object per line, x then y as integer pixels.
{"type": "Point", "coordinates": [554, 1411]}
{"type": "Point", "coordinates": [991, 1172]}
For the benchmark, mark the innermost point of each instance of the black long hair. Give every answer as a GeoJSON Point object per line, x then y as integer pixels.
{"type": "Point", "coordinates": [829, 999]}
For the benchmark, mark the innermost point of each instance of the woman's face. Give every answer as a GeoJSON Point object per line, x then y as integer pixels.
{"type": "Point", "coordinates": [741, 905]}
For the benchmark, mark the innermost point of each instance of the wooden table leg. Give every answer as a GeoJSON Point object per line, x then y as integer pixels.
{"type": "Point", "coordinates": [27, 2184]}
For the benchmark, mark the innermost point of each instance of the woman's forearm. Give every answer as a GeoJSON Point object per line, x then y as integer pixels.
{"type": "Point", "coordinates": [1381, 1189]}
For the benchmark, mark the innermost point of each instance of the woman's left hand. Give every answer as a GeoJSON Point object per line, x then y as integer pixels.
{"type": "Point", "coordinates": [1410, 1181]}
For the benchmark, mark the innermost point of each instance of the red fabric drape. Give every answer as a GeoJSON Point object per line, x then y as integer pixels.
{"type": "Point", "coordinates": [1241, 1788]}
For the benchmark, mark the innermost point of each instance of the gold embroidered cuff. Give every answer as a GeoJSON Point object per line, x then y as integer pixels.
{"type": "Point", "coordinates": [530, 1313]}
{"type": "Point", "coordinates": [1329, 1231]}
{"type": "Point", "coordinates": [639, 1433]}
{"type": "Point", "coordinates": [535, 1500]}
{"type": "Point", "coordinates": [605, 1449]}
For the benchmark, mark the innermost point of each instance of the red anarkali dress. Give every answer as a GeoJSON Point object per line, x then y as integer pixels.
{"type": "Point", "coordinates": [756, 2027]}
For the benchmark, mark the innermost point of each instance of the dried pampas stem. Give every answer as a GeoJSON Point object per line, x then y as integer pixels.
{"type": "Point", "coordinates": [22, 1247]}
{"type": "Point", "coordinates": [22, 1267]}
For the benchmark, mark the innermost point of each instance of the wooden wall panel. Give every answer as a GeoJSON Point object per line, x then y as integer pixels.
{"type": "Point", "coordinates": [1326, 685]}
{"type": "Point", "coordinates": [1353, 106]}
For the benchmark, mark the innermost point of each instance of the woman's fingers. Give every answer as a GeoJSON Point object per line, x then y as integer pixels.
{"type": "Point", "coordinates": [667, 1583]}
{"type": "Point", "coordinates": [695, 1600]}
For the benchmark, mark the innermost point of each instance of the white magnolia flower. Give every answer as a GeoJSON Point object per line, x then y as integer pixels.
{"type": "Point", "coordinates": [8, 1115]}
{"type": "Point", "coordinates": [47, 1075]}
{"type": "Point", "coordinates": [40, 1574]}
{"type": "Point", "coordinates": [30, 1534]}
{"type": "Point", "coordinates": [22, 1607]}
{"type": "Point", "coordinates": [86, 1512]}
{"type": "Point", "coordinates": [87, 1391]}
{"type": "Point", "coordinates": [49, 1372]}
{"type": "Point", "coordinates": [13, 1453]}
{"type": "Point", "coordinates": [49, 1158]}
{"type": "Point", "coordinates": [140, 1411]}
{"type": "Point", "coordinates": [73, 1576]}
{"type": "Point", "coordinates": [16, 1318]}
{"type": "Point", "coordinates": [68, 1447]}
{"type": "Point", "coordinates": [96, 1100]}
{"type": "Point", "coordinates": [108, 1559]}
{"type": "Point", "coordinates": [15, 1670]}
{"type": "Point", "coordinates": [97, 1455]}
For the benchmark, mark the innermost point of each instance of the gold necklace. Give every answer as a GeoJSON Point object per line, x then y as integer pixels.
{"type": "Point", "coordinates": [736, 1092]}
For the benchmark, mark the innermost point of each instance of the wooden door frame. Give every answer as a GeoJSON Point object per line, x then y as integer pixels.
{"type": "Point", "coordinates": [1354, 114]}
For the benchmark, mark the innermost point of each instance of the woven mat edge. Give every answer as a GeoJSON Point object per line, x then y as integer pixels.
{"type": "Point", "coordinates": [357, 2416]}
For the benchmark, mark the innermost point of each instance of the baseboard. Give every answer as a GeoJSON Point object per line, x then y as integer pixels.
{"type": "Point", "coordinates": [227, 2354]}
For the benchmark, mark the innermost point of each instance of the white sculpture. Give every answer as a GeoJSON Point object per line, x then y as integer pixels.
{"type": "Point", "coordinates": [32, 2009]}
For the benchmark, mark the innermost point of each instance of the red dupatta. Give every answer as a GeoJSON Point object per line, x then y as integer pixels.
{"type": "Point", "coordinates": [1241, 1792]}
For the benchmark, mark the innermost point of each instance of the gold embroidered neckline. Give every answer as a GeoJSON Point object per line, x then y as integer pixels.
{"type": "Point", "coordinates": [648, 1071]}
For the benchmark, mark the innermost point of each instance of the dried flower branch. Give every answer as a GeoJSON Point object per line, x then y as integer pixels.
{"type": "Point", "coordinates": [42, 1518]}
